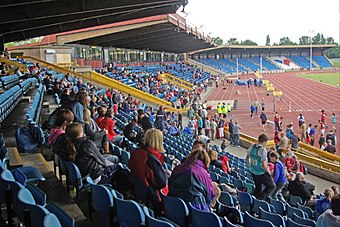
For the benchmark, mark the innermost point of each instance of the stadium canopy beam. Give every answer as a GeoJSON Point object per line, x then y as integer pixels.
{"type": "Point", "coordinates": [21, 20]}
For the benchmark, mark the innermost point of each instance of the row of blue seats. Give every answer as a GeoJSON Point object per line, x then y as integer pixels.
{"type": "Point", "coordinates": [322, 61]}
{"type": "Point", "coordinates": [302, 61]}
{"type": "Point", "coordinates": [34, 110]}
{"type": "Point", "coordinates": [10, 98]}
{"type": "Point", "coordinates": [9, 81]}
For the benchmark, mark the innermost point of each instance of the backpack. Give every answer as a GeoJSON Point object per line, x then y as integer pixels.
{"type": "Point", "coordinates": [25, 141]}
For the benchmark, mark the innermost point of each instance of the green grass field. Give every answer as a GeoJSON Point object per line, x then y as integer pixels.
{"type": "Point", "coordinates": [336, 64]}
{"type": "Point", "coordinates": [327, 78]}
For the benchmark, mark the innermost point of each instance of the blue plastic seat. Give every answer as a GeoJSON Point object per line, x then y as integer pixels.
{"type": "Point", "coordinates": [64, 218]}
{"type": "Point", "coordinates": [246, 201]}
{"type": "Point", "coordinates": [227, 223]}
{"type": "Point", "coordinates": [275, 219]}
{"type": "Point", "coordinates": [75, 178]}
{"type": "Point", "coordinates": [250, 187]}
{"type": "Point", "coordinates": [226, 199]}
{"type": "Point", "coordinates": [308, 211]}
{"type": "Point", "coordinates": [176, 210]}
{"type": "Point", "coordinates": [153, 222]}
{"type": "Point", "coordinates": [214, 176]}
{"type": "Point", "coordinates": [250, 221]}
{"type": "Point", "coordinates": [295, 200]}
{"type": "Point", "coordinates": [291, 223]}
{"type": "Point", "coordinates": [238, 183]}
{"type": "Point", "coordinates": [291, 210]}
{"type": "Point", "coordinates": [303, 221]}
{"type": "Point", "coordinates": [279, 206]}
{"type": "Point", "coordinates": [201, 218]}
{"type": "Point", "coordinates": [51, 220]}
{"type": "Point", "coordinates": [129, 213]}
{"type": "Point", "coordinates": [260, 203]}
{"type": "Point", "coordinates": [231, 212]}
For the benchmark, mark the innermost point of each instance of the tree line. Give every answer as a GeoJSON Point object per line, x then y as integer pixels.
{"type": "Point", "coordinates": [318, 39]}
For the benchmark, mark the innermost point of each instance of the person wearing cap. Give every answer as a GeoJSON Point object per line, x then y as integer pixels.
{"type": "Point", "coordinates": [143, 120]}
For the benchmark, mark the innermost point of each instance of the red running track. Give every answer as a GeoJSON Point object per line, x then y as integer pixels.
{"type": "Point", "coordinates": [306, 96]}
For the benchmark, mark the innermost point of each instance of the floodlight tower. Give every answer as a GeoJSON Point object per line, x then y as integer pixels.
{"type": "Point", "coordinates": [310, 50]}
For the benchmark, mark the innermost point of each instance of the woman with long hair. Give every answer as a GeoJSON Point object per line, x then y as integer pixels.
{"type": "Point", "coordinates": [191, 180]}
{"type": "Point", "coordinates": [85, 154]}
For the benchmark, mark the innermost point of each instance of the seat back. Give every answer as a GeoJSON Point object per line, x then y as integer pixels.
{"type": "Point", "coordinates": [303, 221]}
{"type": "Point", "coordinates": [291, 223]}
{"type": "Point", "coordinates": [153, 222]}
{"type": "Point", "coordinates": [74, 175]}
{"type": "Point", "coordinates": [295, 200]}
{"type": "Point", "coordinates": [291, 210]}
{"type": "Point", "coordinates": [275, 219]}
{"type": "Point", "coordinates": [250, 187]}
{"type": "Point", "coordinates": [308, 211]}
{"type": "Point", "coordinates": [129, 213]}
{"type": "Point", "coordinates": [201, 218]}
{"type": "Point", "coordinates": [176, 210]}
{"type": "Point", "coordinates": [238, 183]}
{"type": "Point", "coordinates": [102, 199]}
{"type": "Point", "coordinates": [246, 201]}
{"type": "Point", "coordinates": [279, 206]}
{"type": "Point", "coordinates": [227, 223]}
{"type": "Point", "coordinates": [232, 213]}
{"type": "Point", "coordinates": [51, 220]}
{"type": "Point", "coordinates": [64, 218]}
{"type": "Point", "coordinates": [250, 221]}
{"type": "Point", "coordinates": [260, 203]}
{"type": "Point", "coordinates": [226, 199]}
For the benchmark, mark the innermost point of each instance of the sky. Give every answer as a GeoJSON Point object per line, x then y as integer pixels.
{"type": "Point", "coordinates": [255, 19]}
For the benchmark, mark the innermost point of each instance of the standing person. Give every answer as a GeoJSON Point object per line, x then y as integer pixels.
{"type": "Point", "coordinates": [252, 110]}
{"type": "Point", "coordinates": [231, 131]}
{"type": "Point", "coordinates": [221, 129]}
{"type": "Point", "coordinates": [224, 110]}
{"type": "Point", "coordinates": [258, 163]}
{"type": "Point", "coordinates": [180, 121]}
{"type": "Point", "coordinates": [303, 129]}
{"type": "Point", "coordinates": [322, 127]}
{"type": "Point", "coordinates": [333, 120]}
{"type": "Point", "coordinates": [277, 121]}
{"type": "Point", "coordinates": [294, 140]}
{"type": "Point", "coordinates": [203, 114]}
{"type": "Point", "coordinates": [236, 131]}
{"type": "Point", "coordinates": [208, 128]}
{"type": "Point", "coordinates": [213, 126]}
{"type": "Point", "coordinates": [144, 120]}
{"type": "Point", "coordinates": [256, 105]}
{"type": "Point", "coordinates": [279, 175]}
{"type": "Point", "coordinates": [322, 140]}
{"type": "Point", "coordinates": [263, 118]}
{"type": "Point", "coordinates": [300, 119]}
{"type": "Point", "coordinates": [219, 109]}
{"type": "Point", "coordinates": [263, 104]}
{"type": "Point", "coordinates": [289, 130]}
{"type": "Point", "coordinates": [331, 136]}
{"type": "Point", "coordinates": [276, 139]}
{"type": "Point", "coordinates": [229, 110]}
{"type": "Point", "coordinates": [323, 116]}
{"type": "Point", "coordinates": [283, 143]}
{"type": "Point", "coordinates": [190, 113]}
{"type": "Point", "coordinates": [330, 147]}
{"type": "Point", "coordinates": [312, 135]}
{"type": "Point", "coordinates": [281, 124]}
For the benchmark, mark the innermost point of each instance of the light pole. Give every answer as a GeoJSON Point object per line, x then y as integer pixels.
{"type": "Point", "coordinates": [310, 50]}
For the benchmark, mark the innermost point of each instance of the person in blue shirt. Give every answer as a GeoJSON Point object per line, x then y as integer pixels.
{"type": "Point", "coordinates": [173, 130]}
{"type": "Point", "coordinates": [324, 203]}
{"type": "Point", "coordinates": [252, 110]}
{"type": "Point", "coordinates": [312, 135]}
{"type": "Point", "coordinates": [279, 175]}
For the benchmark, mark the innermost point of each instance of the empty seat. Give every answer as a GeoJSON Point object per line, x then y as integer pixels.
{"type": "Point", "coordinates": [129, 213]}
{"type": "Point", "coordinates": [250, 221]}
{"type": "Point", "coordinates": [201, 218]}
{"type": "Point", "coordinates": [176, 210]}
{"type": "Point", "coordinates": [246, 201]}
{"type": "Point", "coordinates": [303, 221]}
{"type": "Point", "coordinates": [275, 219]}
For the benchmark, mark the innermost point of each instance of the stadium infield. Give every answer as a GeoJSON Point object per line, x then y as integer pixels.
{"type": "Point", "coordinates": [327, 78]}
{"type": "Point", "coordinates": [300, 95]}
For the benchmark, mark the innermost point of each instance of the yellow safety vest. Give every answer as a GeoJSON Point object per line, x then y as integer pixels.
{"type": "Point", "coordinates": [229, 108]}
{"type": "Point", "coordinates": [224, 109]}
{"type": "Point", "coordinates": [219, 109]}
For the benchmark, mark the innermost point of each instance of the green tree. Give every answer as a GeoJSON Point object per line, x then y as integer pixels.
{"type": "Point", "coordinates": [330, 40]}
{"type": "Point", "coordinates": [217, 40]}
{"type": "Point", "coordinates": [267, 40]}
{"type": "Point", "coordinates": [248, 42]}
{"type": "Point", "coordinates": [304, 40]}
{"type": "Point", "coordinates": [286, 41]}
{"type": "Point", "coordinates": [319, 39]}
{"type": "Point", "coordinates": [23, 42]}
{"type": "Point", "coordinates": [233, 41]}
{"type": "Point", "coordinates": [333, 52]}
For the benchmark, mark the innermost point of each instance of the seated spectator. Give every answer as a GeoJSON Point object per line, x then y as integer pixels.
{"type": "Point", "coordinates": [289, 161]}
{"type": "Point", "coordinates": [191, 180]}
{"type": "Point", "coordinates": [324, 203]}
{"type": "Point", "coordinates": [298, 166]}
{"type": "Point", "coordinates": [144, 120]}
{"type": "Point", "coordinates": [108, 124]}
{"type": "Point", "coordinates": [224, 144]}
{"type": "Point", "coordinates": [101, 115]}
{"type": "Point", "coordinates": [299, 187]}
{"type": "Point", "coordinates": [129, 132]}
{"type": "Point", "coordinates": [146, 166]}
{"type": "Point", "coordinates": [85, 154]}
{"type": "Point", "coordinates": [173, 130]}
{"type": "Point", "coordinates": [331, 217]}
{"type": "Point", "coordinates": [66, 100]}
{"type": "Point", "coordinates": [81, 103]}
{"type": "Point", "coordinates": [323, 146]}
{"type": "Point", "coordinates": [335, 190]}
{"type": "Point", "coordinates": [214, 162]}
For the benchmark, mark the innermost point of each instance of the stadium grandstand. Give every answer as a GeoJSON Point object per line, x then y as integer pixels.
{"type": "Point", "coordinates": [125, 114]}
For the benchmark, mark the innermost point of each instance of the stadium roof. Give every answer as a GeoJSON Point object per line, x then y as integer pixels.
{"type": "Point", "coordinates": [237, 49]}
{"type": "Point", "coordinates": [169, 33]}
{"type": "Point", "coordinates": [32, 18]}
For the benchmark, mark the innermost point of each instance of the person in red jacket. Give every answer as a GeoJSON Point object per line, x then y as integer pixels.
{"type": "Point", "coordinates": [108, 124]}
{"type": "Point", "coordinates": [146, 165]}
{"type": "Point", "coordinates": [289, 161]}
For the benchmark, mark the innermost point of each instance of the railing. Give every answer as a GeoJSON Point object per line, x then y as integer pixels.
{"type": "Point", "coordinates": [22, 67]}
{"type": "Point", "coordinates": [107, 82]}
{"type": "Point", "coordinates": [178, 81]}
